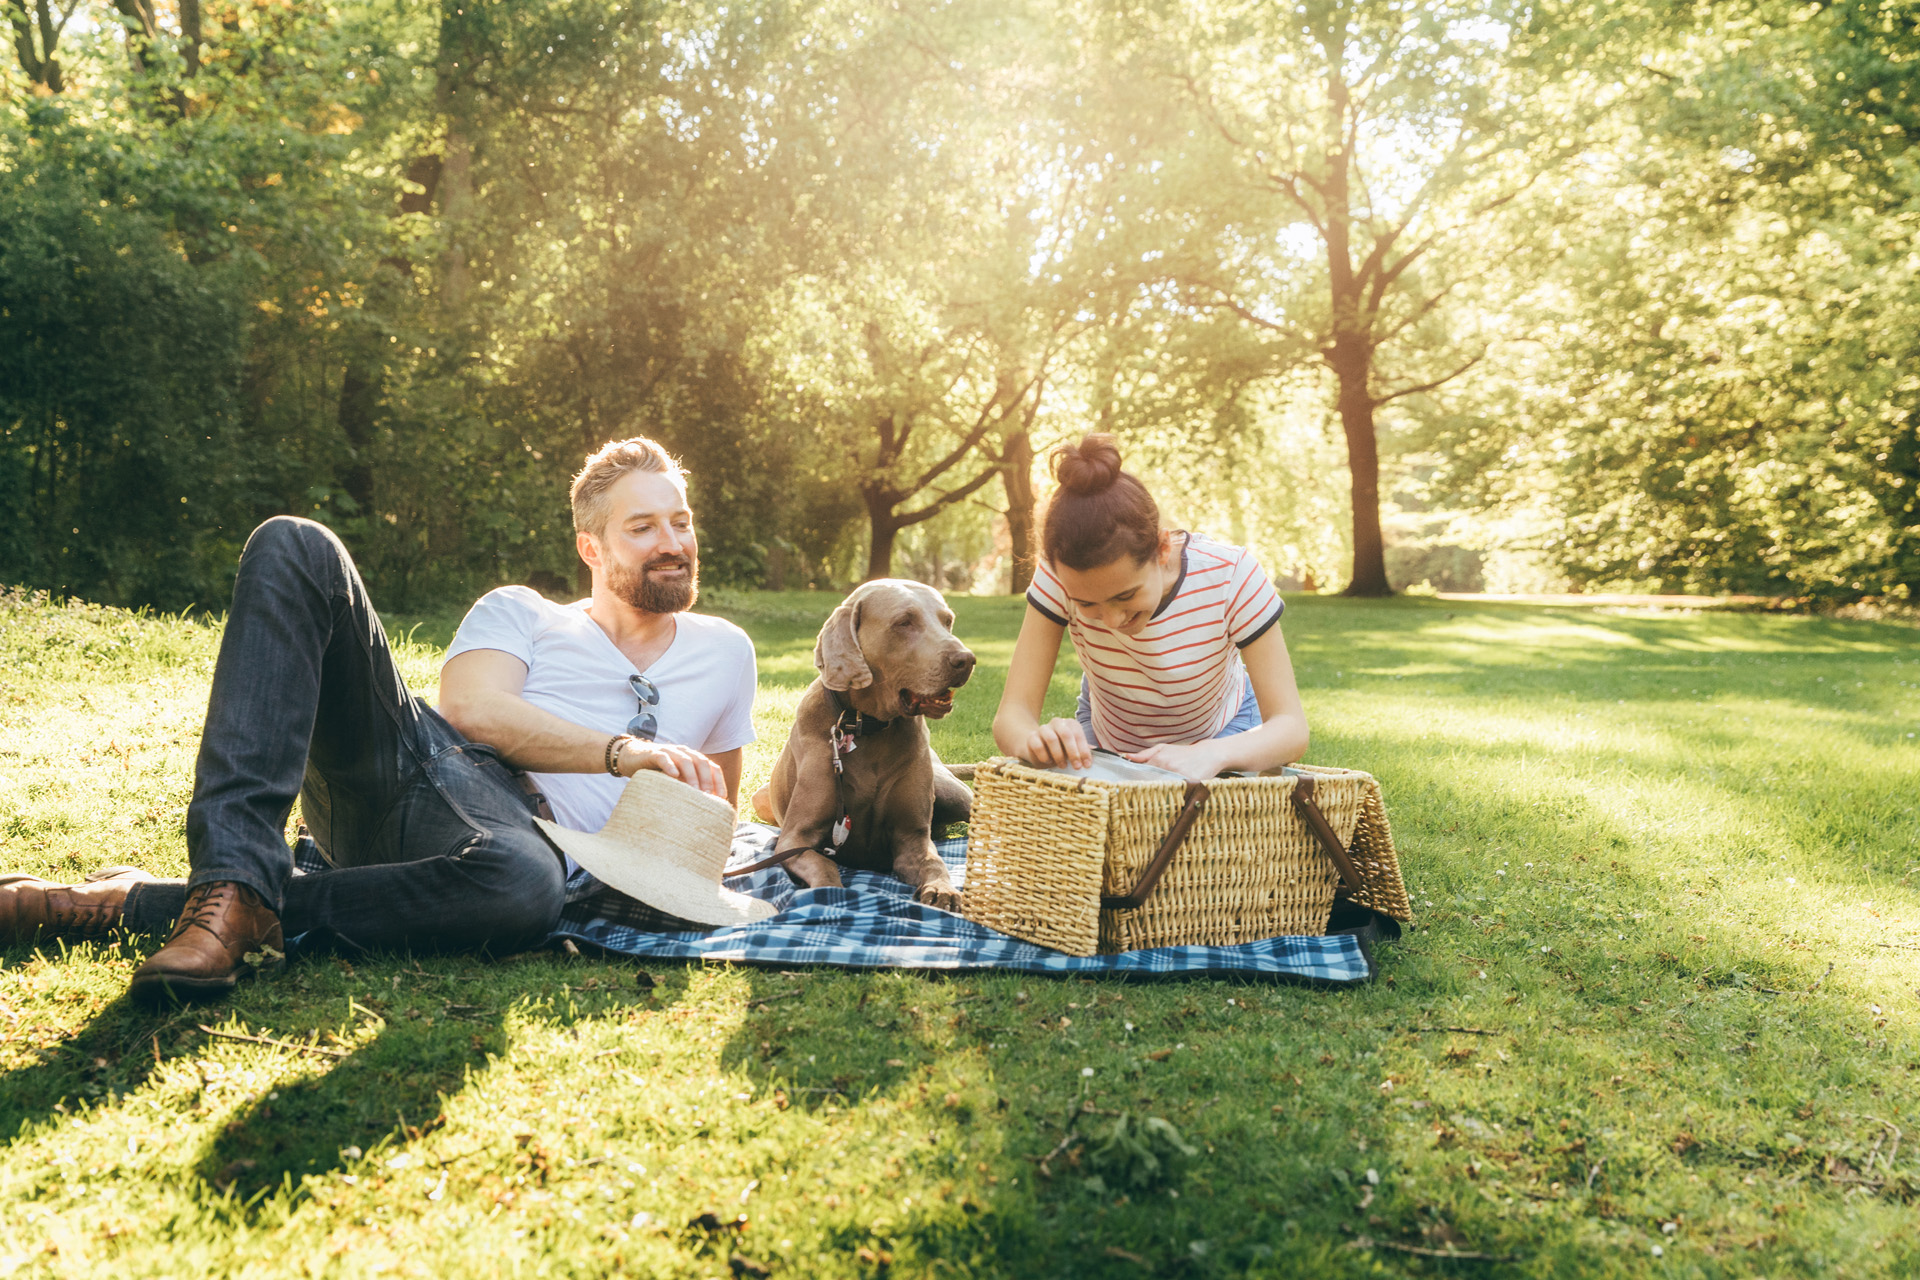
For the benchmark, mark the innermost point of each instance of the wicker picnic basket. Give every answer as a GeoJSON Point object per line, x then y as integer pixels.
{"type": "Point", "coordinates": [1085, 865]}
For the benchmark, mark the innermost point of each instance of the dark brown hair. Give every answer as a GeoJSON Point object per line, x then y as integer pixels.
{"type": "Point", "coordinates": [1099, 513]}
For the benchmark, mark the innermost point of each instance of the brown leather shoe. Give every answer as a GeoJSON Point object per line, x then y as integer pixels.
{"type": "Point", "coordinates": [225, 932]}
{"type": "Point", "coordinates": [32, 908]}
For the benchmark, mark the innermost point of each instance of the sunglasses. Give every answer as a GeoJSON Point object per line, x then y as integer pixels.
{"type": "Point", "coordinates": [644, 725]}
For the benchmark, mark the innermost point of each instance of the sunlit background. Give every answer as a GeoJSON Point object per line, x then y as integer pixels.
{"type": "Point", "coordinates": [1409, 296]}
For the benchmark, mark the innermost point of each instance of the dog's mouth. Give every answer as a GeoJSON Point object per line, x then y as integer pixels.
{"type": "Point", "coordinates": [931, 705]}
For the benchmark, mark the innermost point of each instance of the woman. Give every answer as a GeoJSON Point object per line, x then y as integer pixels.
{"type": "Point", "coordinates": [1178, 636]}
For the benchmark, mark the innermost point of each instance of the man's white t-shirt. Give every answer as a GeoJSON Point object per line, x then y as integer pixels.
{"type": "Point", "coordinates": [706, 680]}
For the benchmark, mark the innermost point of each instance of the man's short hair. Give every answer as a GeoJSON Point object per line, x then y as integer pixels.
{"type": "Point", "coordinates": [605, 466]}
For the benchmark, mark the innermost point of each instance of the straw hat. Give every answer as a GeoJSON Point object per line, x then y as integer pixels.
{"type": "Point", "coordinates": [666, 843]}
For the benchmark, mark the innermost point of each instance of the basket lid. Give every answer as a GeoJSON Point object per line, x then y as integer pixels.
{"type": "Point", "coordinates": [1109, 767]}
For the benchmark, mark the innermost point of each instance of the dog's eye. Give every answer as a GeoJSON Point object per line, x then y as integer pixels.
{"type": "Point", "coordinates": [907, 621]}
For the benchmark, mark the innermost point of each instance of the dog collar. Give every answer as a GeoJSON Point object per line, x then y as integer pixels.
{"type": "Point", "coordinates": [852, 723]}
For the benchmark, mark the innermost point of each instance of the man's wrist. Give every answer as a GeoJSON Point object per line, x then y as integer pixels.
{"type": "Point", "coordinates": [616, 747]}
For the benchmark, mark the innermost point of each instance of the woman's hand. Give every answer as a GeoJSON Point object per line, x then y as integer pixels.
{"type": "Point", "coordinates": [1196, 762]}
{"type": "Point", "coordinates": [1059, 741]}
{"type": "Point", "coordinates": [684, 763]}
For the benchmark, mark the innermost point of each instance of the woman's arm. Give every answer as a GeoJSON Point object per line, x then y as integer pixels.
{"type": "Point", "coordinates": [1016, 726]}
{"type": "Point", "coordinates": [1280, 739]}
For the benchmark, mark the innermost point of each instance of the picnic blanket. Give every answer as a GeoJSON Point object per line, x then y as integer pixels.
{"type": "Point", "coordinates": [874, 923]}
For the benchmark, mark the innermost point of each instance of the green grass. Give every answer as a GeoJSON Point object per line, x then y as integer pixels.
{"type": "Point", "coordinates": [1667, 869]}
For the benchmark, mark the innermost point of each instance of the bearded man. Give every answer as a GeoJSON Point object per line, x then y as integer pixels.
{"type": "Point", "coordinates": [425, 817]}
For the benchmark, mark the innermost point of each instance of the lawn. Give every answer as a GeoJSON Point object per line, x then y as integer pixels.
{"type": "Point", "coordinates": [1657, 1015]}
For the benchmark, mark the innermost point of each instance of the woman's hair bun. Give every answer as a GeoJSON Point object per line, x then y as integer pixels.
{"type": "Point", "coordinates": [1100, 512]}
{"type": "Point", "coordinates": [1089, 467]}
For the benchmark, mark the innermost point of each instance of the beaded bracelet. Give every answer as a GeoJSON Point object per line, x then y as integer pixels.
{"type": "Point", "coordinates": [614, 744]}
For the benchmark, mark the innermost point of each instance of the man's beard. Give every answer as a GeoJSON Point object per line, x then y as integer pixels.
{"type": "Point", "coordinates": [650, 594]}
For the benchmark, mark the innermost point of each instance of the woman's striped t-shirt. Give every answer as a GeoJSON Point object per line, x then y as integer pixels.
{"type": "Point", "coordinates": [1180, 678]}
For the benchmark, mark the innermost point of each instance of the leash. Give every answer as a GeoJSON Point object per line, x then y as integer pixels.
{"type": "Point", "coordinates": [843, 737]}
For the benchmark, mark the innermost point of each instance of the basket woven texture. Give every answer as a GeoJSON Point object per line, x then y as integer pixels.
{"type": "Point", "coordinates": [1043, 848]}
{"type": "Point", "coordinates": [1036, 845]}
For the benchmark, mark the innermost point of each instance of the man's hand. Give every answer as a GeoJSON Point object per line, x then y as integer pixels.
{"type": "Point", "coordinates": [1059, 741]}
{"type": "Point", "coordinates": [684, 763]}
{"type": "Point", "coordinates": [480, 696]}
{"type": "Point", "coordinates": [1196, 762]}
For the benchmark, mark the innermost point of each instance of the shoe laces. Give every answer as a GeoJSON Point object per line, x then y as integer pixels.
{"type": "Point", "coordinates": [206, 905]}
{"type": "Point", "coordinates": [73, 913]}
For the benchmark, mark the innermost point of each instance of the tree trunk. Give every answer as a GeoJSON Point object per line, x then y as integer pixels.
{"type": "Point", "coordinates": [359, 394]}
{"type": "Point", "coordinates": [453, 70]}
{"type": "Point", "coordinates": [1016, 476]}
{"type": "Point", "coordinates": [1350, 355]}
{"type": "Point", "coordinates": [142, 13]}
{"type": "Point", "coordinates": [883, 528]}
{"type": "Point", "coordinates": [456, 208]}
{"type": "Point", "coordinates": [190, 34]}
{"type": "Point", "coordinates": [1351, 364]}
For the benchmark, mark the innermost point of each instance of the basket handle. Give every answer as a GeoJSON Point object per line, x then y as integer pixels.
{"type": "Point", "coordinates": [1303, 784]}
{"type": "Point", "coordinates": [1196, 800]}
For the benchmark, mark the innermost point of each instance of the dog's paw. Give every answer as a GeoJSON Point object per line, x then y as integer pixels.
{"type": "Point", "coordinates": [943, 896]}
{"type": "Point", "coordinates": [814, 871]}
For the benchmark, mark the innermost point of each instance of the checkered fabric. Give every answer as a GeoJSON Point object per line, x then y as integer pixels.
{"type": "Point", "coordinates": [874, 923]}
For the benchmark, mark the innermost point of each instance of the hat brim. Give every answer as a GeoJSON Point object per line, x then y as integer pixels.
{"type": "Point", "coordinates": [661, 884]}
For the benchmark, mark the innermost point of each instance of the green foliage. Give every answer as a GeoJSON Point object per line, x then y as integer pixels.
{"type": "Point", "coordinates": [1135, 1153]}
{"type": "Point", "coordinates": [1721, 393]}
{"type": "Point", "coordinates": [119, 365]}
{"type": "Point", "coordinates": [1636, 278]}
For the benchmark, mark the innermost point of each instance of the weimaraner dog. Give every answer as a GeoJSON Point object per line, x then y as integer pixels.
{"type": "Point", "coordinates": [888, 659]}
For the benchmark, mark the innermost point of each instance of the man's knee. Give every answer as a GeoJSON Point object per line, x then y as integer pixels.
{"type": "Point", "coordinates": [520, 887]}
{"type": "Point", "coordinates": [291, 535]}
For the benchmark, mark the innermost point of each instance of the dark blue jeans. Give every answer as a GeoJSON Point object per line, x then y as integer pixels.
{"type": "Point", "coordinates": [429, 839]}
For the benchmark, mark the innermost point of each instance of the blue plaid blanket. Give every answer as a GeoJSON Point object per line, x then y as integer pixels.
{"type": "Point", "coordinates": [874, 923]}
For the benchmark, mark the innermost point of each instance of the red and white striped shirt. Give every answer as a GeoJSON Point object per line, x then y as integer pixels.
{"type": "Point", "coordinates": [1179, 679]}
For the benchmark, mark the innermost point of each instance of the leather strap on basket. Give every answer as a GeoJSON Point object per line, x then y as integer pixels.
{"type": "Point", "coordinates": [1196, 800]}
{"type": "Point", "coordinates": [1303, 784]}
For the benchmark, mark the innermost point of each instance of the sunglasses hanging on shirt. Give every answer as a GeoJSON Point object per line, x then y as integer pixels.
{"type": "Point", "coordinates": [645, 725]}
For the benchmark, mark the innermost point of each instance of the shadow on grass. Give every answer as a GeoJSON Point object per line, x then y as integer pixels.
{"type": "Point", "coordinates": [392, 1088]}
{"type": "Point", "coordinates": [969, 1083]}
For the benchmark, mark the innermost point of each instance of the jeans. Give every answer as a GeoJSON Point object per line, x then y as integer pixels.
{"type": "Point", "coordinates": [1247, 717]}
{"type": "Point", "coordinates": [429, 839]}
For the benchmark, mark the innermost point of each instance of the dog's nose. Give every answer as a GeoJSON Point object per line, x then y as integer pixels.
{"type": "Point", "coordinates": [961, 664]}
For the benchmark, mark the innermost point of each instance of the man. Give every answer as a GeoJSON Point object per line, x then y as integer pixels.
{"type": "Point", "coordinates": [425, 818]}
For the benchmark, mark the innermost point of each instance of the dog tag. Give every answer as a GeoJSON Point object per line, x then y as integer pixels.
{"type": "Point", "coordinates": [843, 743]}
{"type": "Point", "coordinates": [842, 829]}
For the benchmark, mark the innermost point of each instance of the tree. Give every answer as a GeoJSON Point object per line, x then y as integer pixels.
{"type": "Point", "coordinates": [1722, 398]}
{"type": "Point", "coordinates": [919, 335]}
{"type": "Point", "coordinates": [37, 27]}
{"type": "Point", "coordinates": [117, 363]}
{"type": "Point", "coordinates": [1362, 149]}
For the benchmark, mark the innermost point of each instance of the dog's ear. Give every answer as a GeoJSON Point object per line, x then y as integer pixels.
{"type": "Point", "coordinates": [837, 652]}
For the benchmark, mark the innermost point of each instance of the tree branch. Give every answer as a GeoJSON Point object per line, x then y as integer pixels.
{"type": "Point", "coordinates": [982, 423]}
{"type": "Point", "coordinates": [1428, 386]}
{"type": "Point", "coordinates": [1425, 308]}
{"type": "Point", "coordinates": [30, 62]}
{"type": "Point", "coordinates": [1288, 183]}
{"type": "Point", "coordinates": [1226, 302]}
{"type": "Point", "coordinates": [947, 499]}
